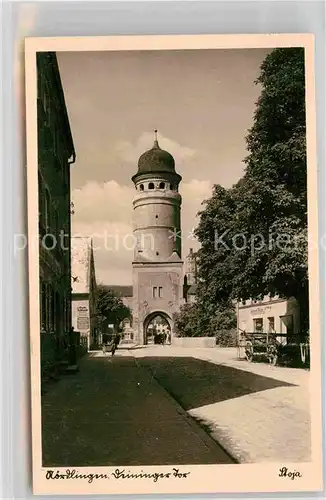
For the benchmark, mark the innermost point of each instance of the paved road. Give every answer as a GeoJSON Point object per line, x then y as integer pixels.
{"type": "Point", "coordinates": [195, 382]}
{"type": "Point", "coordinates": [117, 412]}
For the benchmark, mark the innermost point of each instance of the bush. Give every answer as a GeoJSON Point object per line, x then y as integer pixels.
{"type": "Point", "coordinates": [226, 338]}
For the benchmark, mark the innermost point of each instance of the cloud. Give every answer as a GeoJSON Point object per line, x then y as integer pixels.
{"type": "Point", "coordinates": [108, 201]}
{"type": "Point", "coordinates": [103, 211]}
{"type": "Point", "coordinates": [193, 193]}
{"type": "Point", "coordinates": [131, 152]}
{"type": "Point", "coordinates": [113, 249]}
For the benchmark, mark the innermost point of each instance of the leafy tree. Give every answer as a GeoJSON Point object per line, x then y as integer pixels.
{"type": "Point", "coordinates": [194, 320]}
{"type": "Point", "coordinates": [186, 321]}
{"type": "Point", "coordinates": [110, 306]}
{"type": "Point", "coordinates": [274, 189]}
{"type": "Point", "coordinates": [264, 216]}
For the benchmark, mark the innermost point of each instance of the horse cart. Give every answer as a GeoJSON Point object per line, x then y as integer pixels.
{"type": "Point", "coordinates": [276, 348]}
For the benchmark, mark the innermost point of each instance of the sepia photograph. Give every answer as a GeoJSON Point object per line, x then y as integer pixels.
{"type": "Point", "coordinates": [170, 276]}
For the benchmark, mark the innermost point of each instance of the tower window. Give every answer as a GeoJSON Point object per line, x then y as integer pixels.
{"type": "Point", "coordinates": [141, 187]}
{"type": "Point", "coordinates": [154, 292]}
{"type": "Point", "coordinates": [162, 185]}
{"type": "Point", "coordinates": [151, 185]}
{"type": "Point", "coordinates": [171, 187]}
{"type": "Point", "coordinates": [157, 253]}
{"type": "Point", "coordinates": [156, 216]}
{"type": "Point", "coordinates": [160, 292]}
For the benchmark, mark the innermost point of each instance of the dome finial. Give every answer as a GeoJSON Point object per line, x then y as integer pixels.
{"type": "Point", "coordinates": [155, 139]}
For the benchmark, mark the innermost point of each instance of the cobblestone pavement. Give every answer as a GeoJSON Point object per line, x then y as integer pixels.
{"type": "Point", "coordinates": [263, 425]}
{"type": "Point", "coordinates": [114, 412]}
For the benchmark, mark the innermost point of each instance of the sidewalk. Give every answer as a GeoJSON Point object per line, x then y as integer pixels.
{"type": "Point", "coordinates": [266, 426]}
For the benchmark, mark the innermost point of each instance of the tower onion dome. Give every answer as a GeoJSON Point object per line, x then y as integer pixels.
{"type": "Point", "coordinates": [155, 160]}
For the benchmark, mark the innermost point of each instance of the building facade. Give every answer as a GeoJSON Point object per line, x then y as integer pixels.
{"type": "Point", "coordinates": [55, 155]}
{"type": "Point", "coordinates": [157, 266]}
{"type": "Point", "coordinates": [270, 315]}
{"type": "Point", "coordinates": [84, 295]}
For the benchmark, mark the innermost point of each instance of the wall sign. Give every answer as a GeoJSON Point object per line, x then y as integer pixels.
{"type": "Point", "coordinates": [82, 318]}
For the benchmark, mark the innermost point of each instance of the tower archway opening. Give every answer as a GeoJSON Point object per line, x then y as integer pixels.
{"type": "Point", "coordinates": [162, 185]}
{"type": "Point", "coordinates": [157, 329]}
{"type": "Point", "coordinates": [141, 187]}
{"type": "Point", "coordinates": [151, 185]}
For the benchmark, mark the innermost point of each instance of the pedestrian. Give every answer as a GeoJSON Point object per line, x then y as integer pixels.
{"type": "Point", "coordinates": [115, 343]}
{"type": "Point", "coordinates": [72, 347]}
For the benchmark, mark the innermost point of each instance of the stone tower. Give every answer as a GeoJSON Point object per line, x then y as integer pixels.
{"type": "Point", "coordinates": [157, 264]}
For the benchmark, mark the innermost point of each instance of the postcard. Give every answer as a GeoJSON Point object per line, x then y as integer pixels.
{"type": "Point", "coordinates": [173, 264]}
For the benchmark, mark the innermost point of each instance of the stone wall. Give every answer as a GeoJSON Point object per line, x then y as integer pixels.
{"type": "Point", "coordinates": [193, 341]}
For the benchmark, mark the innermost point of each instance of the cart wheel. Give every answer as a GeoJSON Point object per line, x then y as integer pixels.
{"type": "Point", "coordinates": [249, 352]}
{"type": "Point", "coordinates": [250, 357]}
{"type": "Point", "coordinates": [273, 359]}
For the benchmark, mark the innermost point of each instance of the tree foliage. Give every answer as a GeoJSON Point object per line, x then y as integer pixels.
{"type": "Point", "coordinates": [186, 321]}
{"type": "Point", "coordinates": [254, 236]}
{"type": "Point", "coordinates": [195, 320]}
{"type": "Point", "coordinates": [110, 306]}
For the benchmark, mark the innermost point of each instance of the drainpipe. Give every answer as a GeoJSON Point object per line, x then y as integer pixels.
{"type": "Point", "coordinates": [71, 160]}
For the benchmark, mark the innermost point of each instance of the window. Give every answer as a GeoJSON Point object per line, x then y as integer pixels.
{"type": "Point", "coordinates": [156, 216]}
{"type": "Point", "coordinates": [43, 306]}
{"type": "Point", "coordinates": [40, 199]}
{"type": "Point", "coordinates": [47, 211]}
{"type": "Point", "coordinates": [151, 185]}
{"type": "Point", "coordinates": [171, 187]}
{"type": "Point", "coordinates": [258, 325]}
{"type": "Point", "coordinates": [141, 187]}
{"type": "Point", "coordinates": [162, 185]}
{"type": "Point", "coordinates": [157, 253]}
{"type": "Point", "coordinates": [271, 325]}
{"type": "Point", "coordinates": [57, 320]}
{"type": "Point", "coordinates": [243, 302]}
{"type": "Point", "coordinates": [157, 292]}
{"type": "Point", "coordinates": [50, 297]}
{"type": "Point", "coordinates": [56, 221]}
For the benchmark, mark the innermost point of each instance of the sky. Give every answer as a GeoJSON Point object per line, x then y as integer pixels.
{"type": "Point", "coordinates": [202, 103]}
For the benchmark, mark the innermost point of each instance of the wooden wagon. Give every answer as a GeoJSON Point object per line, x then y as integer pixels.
{"type": "Point", "coordinates": [276, 348]}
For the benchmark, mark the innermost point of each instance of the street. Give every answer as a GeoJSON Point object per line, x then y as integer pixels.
{"type": "Point", "coordinates": [153, 406]}
{"type": "Point", "coordinates": [114, 412]}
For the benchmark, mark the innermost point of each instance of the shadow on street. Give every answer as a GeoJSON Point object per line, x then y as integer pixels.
{"type": "Point", "coordinates": [119, 411]}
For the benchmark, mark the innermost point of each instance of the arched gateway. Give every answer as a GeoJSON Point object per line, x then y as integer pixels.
{"type": "Point", "coordinates": [157, 265]}
{"type": "Point", "coordinates": [157, 326]}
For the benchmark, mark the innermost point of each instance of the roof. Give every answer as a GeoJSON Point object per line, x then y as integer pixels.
{"type": "Point", "coordinates": [81, 248]}
{"type": "Point", "coordinates": [156, 160]}
{"type": "Point", "coordinates": [48, 65]}
{"type": "Point", "coordinates": [121, 290]}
